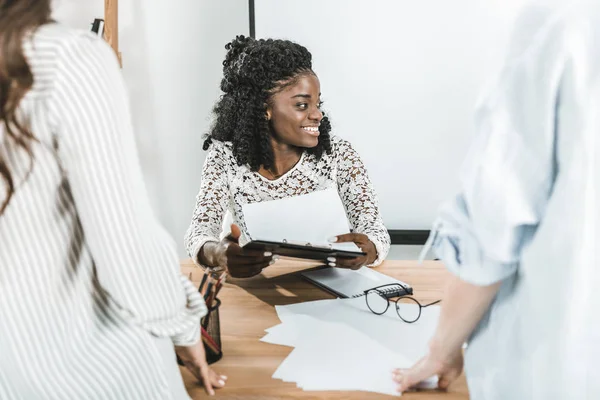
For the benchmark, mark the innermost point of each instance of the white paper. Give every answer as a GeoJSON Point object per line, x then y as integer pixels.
{"type": "Point", "coordinates": [312, 308]}
{"type": "Point", "coordinates": [347, 360]}
{"type": "Point", "coordinates": [341, 345]}
{"type": "Point", "coordinates": [311, 218]}
{"type": "Point", "coordinates": [287, 334]}
{"type": "Point", "coordinates": [273, 328]}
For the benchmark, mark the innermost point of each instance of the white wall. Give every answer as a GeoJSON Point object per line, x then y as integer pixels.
{"type": "Point", "coordinates": [172, 53]}
{"type": "Point", "coordinates": [400, 85]}
{"type": "Point", "coordinates": [400, 79]}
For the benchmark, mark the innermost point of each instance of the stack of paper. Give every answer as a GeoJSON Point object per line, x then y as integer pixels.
{"type": "Point", "coordinates": [341, 345]}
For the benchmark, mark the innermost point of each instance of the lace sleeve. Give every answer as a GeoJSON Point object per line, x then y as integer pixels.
{"type": "Point", "coordinates": [360, 200]}
{"type": "Point", "coordinates": [211, 202]}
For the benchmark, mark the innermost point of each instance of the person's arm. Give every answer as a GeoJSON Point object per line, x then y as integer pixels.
{"type": "Point", "coordinates": [360, 200]}
{"type": "Point", "coordinates": [134, 258]}
{"type": "Point", "coordinates": [202, 237]}
{"type": "Point", "coordinates": [463, 307]}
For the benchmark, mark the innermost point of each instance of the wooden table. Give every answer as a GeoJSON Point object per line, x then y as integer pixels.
{"type": "Point", "coordinates": [248, 308]}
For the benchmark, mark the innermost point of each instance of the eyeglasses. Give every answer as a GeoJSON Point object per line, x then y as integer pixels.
{"type": "Point", "coordinates": [407, 308]}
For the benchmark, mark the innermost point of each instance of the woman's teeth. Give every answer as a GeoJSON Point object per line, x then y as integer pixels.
{"type": "Point", "coordinates": [311, 129]}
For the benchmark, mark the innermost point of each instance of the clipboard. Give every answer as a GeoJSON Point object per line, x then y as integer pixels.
{"type": "Point", "coordinates": [301, 250]}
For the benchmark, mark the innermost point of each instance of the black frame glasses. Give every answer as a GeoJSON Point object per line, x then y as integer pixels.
{"type": "Point", "coordinates": [401, 293]}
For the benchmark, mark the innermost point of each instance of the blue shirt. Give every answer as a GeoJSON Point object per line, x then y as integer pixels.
{"type": "Point", "coordinates": [527, 213]}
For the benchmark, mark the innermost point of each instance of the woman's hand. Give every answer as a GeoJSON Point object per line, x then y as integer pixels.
{"type": "Point", "coordinates": [463, 306]}
{"type": "Point", "coordinates": [240, 263]}
{"type": "Point", "coordinates": [447, 370]}
{"type": "Point", "coordinates": [194, 359]}
{"type": "Point", "coordinates": [362, 241]}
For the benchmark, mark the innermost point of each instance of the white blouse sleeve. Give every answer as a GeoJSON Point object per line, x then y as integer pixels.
{"type": "Point", "coordinates": [360, 200]}
{"type": "Point", "coordinates": [211, 202]}
{"type": "Point", "coordinates": [508, 175]}
{"type": "Point", "coordinates": [135, 258]}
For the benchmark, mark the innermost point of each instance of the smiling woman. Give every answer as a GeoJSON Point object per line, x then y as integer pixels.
{"type": "Point", "coordinates": [271, 140]}
{"type": "Point", "coordinates": [295, 113]}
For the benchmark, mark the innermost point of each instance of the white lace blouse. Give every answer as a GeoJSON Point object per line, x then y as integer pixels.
{"type": "Point", "coordinates": [226, 186]}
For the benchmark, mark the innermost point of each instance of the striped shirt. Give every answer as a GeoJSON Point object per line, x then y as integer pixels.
{"type": "Point", "coordinates": [88, 278]}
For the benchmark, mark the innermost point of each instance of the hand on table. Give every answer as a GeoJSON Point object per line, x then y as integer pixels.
{"type": "Point", "coordinates": [363, 242]}
{"type": "Point", "coordinates": [447, 371]}
{"type": "Point", "coordinates": [194, 359]}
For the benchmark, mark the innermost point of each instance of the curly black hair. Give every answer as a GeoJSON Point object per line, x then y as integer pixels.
{"type": "Point", "coordinates": [252, 71]}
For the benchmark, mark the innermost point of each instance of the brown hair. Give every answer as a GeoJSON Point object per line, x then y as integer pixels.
{"type": "Point", "coordinates": [17, 19]}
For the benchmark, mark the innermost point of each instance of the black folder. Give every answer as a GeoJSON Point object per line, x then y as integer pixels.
{"type": "Point", "coordinates": [301, 250]}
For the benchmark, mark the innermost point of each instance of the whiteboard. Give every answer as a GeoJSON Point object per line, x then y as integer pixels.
{"type": "Point", "coordinates": [400, 80]}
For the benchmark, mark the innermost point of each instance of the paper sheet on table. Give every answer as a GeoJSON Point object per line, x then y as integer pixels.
{"type": "Point", "coordinates": [310, 218]}
{"type": "Point", "coordinates": [287, 334]}
{"type": "Point", "coordinates": [388, 330]}
{"type": "Point", "coordinates": [341, 345]}
{"type": "Point", "coordinates": [342, 359]}
{"type": "Point", "coordinates": [312, 308]}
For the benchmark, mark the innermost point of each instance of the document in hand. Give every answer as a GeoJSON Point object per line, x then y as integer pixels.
{"type": "Point", "coordinates": [301, 225]}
